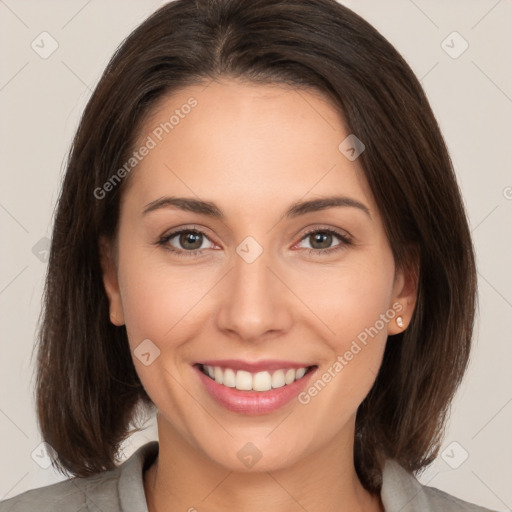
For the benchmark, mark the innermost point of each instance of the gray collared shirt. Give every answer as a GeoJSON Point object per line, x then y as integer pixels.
{"type": "Point", "coordinates": [122, 490]}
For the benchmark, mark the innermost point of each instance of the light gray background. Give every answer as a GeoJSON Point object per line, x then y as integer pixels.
{"type": "Point", "coordinates": [41, 101]}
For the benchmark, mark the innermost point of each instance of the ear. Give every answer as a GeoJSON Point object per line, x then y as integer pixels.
{"type": "Point", "coordinates": [405, 293]}
{"type": "Point", "coordinates": [110, 281]}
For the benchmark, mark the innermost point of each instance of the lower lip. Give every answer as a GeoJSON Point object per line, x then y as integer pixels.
{"type": "Point", "coordinates": [253, 402]}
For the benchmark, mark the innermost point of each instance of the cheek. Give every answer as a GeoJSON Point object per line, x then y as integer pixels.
{"type": "Point", "coordinates": [351, 299]}
{"type": "Point", "coordinates": [355, 303]}
{"type": "Point", "coordinates": [155, 306]}
{"type": "Point", "coordinates": [156, 293]}
{"type": "Point", "coordinates": [155, 301]}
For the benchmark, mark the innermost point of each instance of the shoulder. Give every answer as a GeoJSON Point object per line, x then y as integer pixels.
{"type": "Point", "coordinates": [74, 494]}
{"type": "Point", "coordinates": [120, 489]}
{"type": "Point", "coordinates": [401, 491]}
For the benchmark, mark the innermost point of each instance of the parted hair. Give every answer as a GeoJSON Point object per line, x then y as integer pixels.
{"type": "Point", "coordinates": [87, 390]}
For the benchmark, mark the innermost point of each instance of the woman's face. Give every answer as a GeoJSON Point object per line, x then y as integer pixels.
{"type": "Point", "coordinates": [256, 285]}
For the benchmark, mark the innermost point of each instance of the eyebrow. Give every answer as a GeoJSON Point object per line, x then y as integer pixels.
{"type": "Point", "coordinates": [210, 209]}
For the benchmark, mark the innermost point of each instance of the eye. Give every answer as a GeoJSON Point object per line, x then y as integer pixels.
{"type": "Point", "coordinates": [185, 242]}
{"type": "Point", "coordinates": [190, 242]}
{"type": "Point", "coordinates": [321, 241]}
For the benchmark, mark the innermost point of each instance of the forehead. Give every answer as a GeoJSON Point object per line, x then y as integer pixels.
{"type": "Point", "coordinates": [255, 143]}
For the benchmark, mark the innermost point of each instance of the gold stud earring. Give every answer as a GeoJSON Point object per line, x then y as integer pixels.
{"type": "Point", "coordinates": [400, 322]}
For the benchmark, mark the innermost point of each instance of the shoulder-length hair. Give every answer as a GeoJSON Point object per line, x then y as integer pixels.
{"type": "Point", "coordinates": [87, 388]}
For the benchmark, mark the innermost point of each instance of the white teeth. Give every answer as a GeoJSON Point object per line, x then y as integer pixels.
{"type": "Point", "coordinates": [260, 381]}
{"type": "Point", "coordinates": [243, 380]}
{"type": "Point", "coordinates": [278, 379]}
{"type": "Point", "coordinates": [217, 374]}
{"type": "Point", "coordinates": [300, 373]}
{"type": "Point", "coordinates": [289, 376]}
{"type": "Point", "coordinates": [229, 378]}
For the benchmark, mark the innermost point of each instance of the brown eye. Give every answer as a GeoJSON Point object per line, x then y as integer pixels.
{"type": "Point", "coordinates": [190, 240]}
{"type": "Point", "coordinates": [185, 242]}
{"type": "Point", "coordinates": [321, 240]}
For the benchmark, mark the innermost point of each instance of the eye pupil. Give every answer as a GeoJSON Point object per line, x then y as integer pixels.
{"type": "Point", "coordinates": [192, 238]}
{"type": "Point", "coordinates": [325, 240]}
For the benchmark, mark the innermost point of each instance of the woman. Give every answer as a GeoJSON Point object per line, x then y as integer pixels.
{"type": "Point", "coordinates": [260, 236]}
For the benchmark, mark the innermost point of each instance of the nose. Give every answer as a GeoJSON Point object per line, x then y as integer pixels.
{"type": "Point", "coordinates": [256, 303]}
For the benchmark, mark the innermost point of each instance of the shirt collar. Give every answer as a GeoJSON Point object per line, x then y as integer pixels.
{"type": "Point", "coordinates": [400, 490]}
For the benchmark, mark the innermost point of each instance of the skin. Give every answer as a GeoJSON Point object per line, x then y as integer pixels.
{"type": "Point", "coordinates": [253, 150]}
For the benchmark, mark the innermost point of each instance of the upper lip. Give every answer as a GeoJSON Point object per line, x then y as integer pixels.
{"type": "Point", "coordinates": [254, 366]}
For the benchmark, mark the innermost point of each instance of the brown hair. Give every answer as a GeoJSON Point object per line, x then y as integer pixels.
{"type": "Point", "coordinates": [315, 44]}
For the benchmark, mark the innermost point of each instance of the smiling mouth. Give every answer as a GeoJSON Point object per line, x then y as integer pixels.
{"type": "Point", "coordinates": [259, 381]}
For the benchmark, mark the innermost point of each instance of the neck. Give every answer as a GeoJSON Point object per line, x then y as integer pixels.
{"type": "Point", "coordinates": [183, 479]}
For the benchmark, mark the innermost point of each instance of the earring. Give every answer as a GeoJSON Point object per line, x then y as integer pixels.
{"type": "Point", "coordinates": [399, 321]}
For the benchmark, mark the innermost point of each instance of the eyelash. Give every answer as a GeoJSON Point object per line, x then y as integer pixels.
{"type": "Point", "coordinates": [345, 241]}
